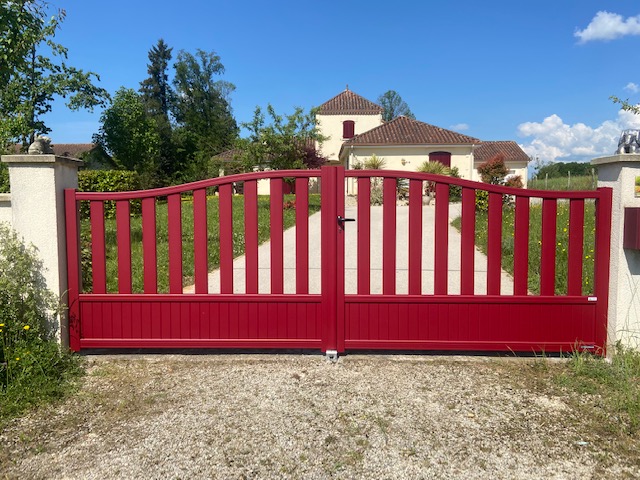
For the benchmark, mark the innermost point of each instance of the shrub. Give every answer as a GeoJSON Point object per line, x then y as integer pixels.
{"type": "Point", "coordinates": [4, 178]}
{"type": "Point", "coordinates": [375, 163]}
{"type": "Point", "coordinates": [514, 181]}
{"type": "Point", "coordinates": [33, 367]}
{"type": "Point", "coordinates": [493, 170]}
{"type": "Point", "coordinates": [482, 201]}
{"type": "Point", "coordinates": [108, 181]}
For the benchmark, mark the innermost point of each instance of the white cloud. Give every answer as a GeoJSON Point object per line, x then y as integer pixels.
{"type": "Point", "coordinates": [632, 87]}
{"type": "Point", "coordinates": [459, 127]}
{"type": "Point", "coordinates": [609, 26]}
{"type": "Point", "coordinates": [552, 139]}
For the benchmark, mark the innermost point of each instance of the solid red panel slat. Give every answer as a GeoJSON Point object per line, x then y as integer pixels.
{"type": "Point", "coordinates": [441, 260]}
{"type": "Point", "coordinates": [98, 256]}
{"type": "Point", "coordinates": [174, 223]}
{"type": "Point", "coordinates": [467, 242]}
{"type": "Point", "coordinates": [302, 235]}
{"type": "Point", "coordinates": [415, 237]}
{"type": "Point", "coordinates": [389, 236]}
{"type": "Point", "coordinates": [602, 272]}
{"type": "Point", "coordinates": [364, 236]}
{"type": "Point", "coordinates": [521, 247]}
{"type": "Point", "coordinates": [576, 245]}
{"type": "Point", "coordinates": [548, 254]}
{"type": "Point", "coordinates": [251, 235]}
{"type": "Point", "coordinates": [277, 234]}
{"type": "Point", "coordinates": [226, 238]}
{"type": "Point", "coordinates": [200, 260]}
{"type": "Point", "coordinates": [149, 246]}
{"type": "Point", "coordinates": [123, 226]}
{"type": "Point", "coordinates": [340, 280]}
{"type": "Point", "coordinates": [494, 244]}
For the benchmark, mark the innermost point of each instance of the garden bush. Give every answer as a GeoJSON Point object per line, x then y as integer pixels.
{"type": "Point", "coordinates": [108, 181]}
{"type": "Point", "coordinates": [4, 178]}
{"type": "Point", "coordinates": [33, 366]}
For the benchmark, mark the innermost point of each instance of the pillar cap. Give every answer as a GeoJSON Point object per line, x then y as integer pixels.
{"type": "Point", "coordinates": [617, 158]}
{"type": "Point", "coordinates": [40, 159]}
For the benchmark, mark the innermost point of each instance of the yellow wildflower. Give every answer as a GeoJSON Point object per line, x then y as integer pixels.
{"type": "Point", "coordinates": [1, 324]}
{"type": "Point", "coordinates": [17, 359]}
{"type": "Point", "coordinates": [26, 327]}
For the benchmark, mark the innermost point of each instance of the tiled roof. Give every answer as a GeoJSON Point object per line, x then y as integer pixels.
{"type": "Point", "coordinates": [349, 103]}
{"type": "Point", "coordinates": [510, 149]}
{"type": "Point", "coordinates": [406, 131]}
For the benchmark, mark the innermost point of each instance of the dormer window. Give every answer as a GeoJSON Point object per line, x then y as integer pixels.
{"type": "Point", "coordinates": [348, 129]}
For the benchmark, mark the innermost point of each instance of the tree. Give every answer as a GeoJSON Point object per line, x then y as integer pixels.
{"type": "Point", "coordinates": [129, 135]}
{"type": "Point", "coordinates": [34, 71]}
{"type": "Point", "coordinates": [202, 106]}
{"type": "Point", "coordinates": [283, 143]}
{"type": "Point", "coordinates": [626, 105]}
{"type": "Point", "coordinates": [157, 97]}
{"type": "Point", "coordinates": [393, 106]}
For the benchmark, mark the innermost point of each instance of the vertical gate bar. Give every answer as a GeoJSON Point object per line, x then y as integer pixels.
{"type": "Point", "coordinates": [174, 225]}
{"type": "Point", "coordinates": [364, 235]}
{"type": "Point", "coordinates": [441, 260]}
{"type": "Point", "coordinates": [576, 246]}
{"type": "Point", "coordinates": [149, 245]}
{"type": "Point", "coordinates": [251, 235]}
{"type": "Point", "coordinates": [98, 249]}
{"type": "Point", "coordinates": [72, 228]}
{"type": "Point", "coordinates": [521, 247]}
{"type": "Point", "coordinates": [302, 235]}
{"type": "Point", "coordinates": [415, 237]}
{"type": "Point", "coordinates": [340, 271]}
{"type": "Point", "coordinates": [123, 227]}
{"type": "Point", "coordinates": [467, 260]}
{"type": "Point", "coordinates": [601, 275]}
{"type": "Point", "coordinates": [389, 236]}
{"type": "Point", "coordinates": [328, 234]}
{"type": "Point", "coordinates": [200, 254]}
{"type": "Point", "coordinates": [494, 244]}
{"type": "Point", "coordinates": [548, 254]}
{"type": "Point", "coordinates": [226, 237]}
{"type": "Point", "coordinates": [277, 234]}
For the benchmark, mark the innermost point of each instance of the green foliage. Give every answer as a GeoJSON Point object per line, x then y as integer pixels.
{"type": "Point", "coordinates": [564, 183]}
{"type": "Point", "coordinates": [393, 106]}
{"type": "Point", "coordinates": [437, 168]}
{"type": "Point", "coordinates": [455, 191]}
{"type": "Point", "coordinates": [108, 181]}
{"type": "Point", "coordinates": [33, 367]}
{"type": "Point", "coordinates": [514, 182]}
{"type": "Point", "coordinates": [284, 143]}
{"type": "Point", "coordinates": [626, 105]}
{"type": "Point", "coordinates": [34, 71]}
{"type": "Point", "coordinates": [493, 170]}
{"type": "Point", "coordinates": [129, 135]}
{"type": "Point", "coordinates": [374, 163]}
{"type": "Point", "coordinates": [4, 178]}
{"type": "Point", "coordinates": [482, 201]}
{"type": "Point", "coordinates": [202, 108]}
{"type": "Point", "coordinates": [562, 169]}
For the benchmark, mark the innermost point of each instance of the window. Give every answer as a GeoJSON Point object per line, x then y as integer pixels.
{"type": "Point", "coordinates": [348, 129]}
{"type": "Point", "coordinates": [442, 157]}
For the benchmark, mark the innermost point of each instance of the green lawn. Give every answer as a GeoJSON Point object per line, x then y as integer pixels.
{"type": "Point", "coordinates": [535, 236]}
{"type": "Point", "coordinates": [187, 239]}
{"type": "Point", "coordinates": [585, 182]}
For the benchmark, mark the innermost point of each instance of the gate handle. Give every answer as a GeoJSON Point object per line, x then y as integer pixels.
{"type": "Point", "coordinates": [341, 221]}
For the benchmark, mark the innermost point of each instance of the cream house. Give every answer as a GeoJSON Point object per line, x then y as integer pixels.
{"type": "Point", "coordinates": [356, 131]}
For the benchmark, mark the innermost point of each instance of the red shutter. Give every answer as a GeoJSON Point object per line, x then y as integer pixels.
{"type": "Point", "coordinates": [442, 157]}
{"type": "Point", "coordinates": [348, 129]}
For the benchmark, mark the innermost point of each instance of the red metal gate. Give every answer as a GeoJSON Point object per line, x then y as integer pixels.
{"type": "Point", "coordinates": [539, 315]}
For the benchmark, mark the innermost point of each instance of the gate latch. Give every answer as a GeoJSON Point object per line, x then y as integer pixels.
{"type": "Point", "coordinates": [341, 221]}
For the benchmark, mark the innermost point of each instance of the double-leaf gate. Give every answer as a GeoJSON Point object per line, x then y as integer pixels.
{"type": "Point", "coordinates": [398, 278]}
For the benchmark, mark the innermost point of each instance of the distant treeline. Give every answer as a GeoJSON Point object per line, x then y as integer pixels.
{"type": "Point", "coordinates": [561, 169]}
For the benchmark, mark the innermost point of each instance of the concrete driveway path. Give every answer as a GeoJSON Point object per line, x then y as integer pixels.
{"type": "Point", "coordinates": [351, 257]}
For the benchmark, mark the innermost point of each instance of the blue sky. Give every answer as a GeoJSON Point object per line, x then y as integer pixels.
{"type": "Point", "coordinates": [540, 72]}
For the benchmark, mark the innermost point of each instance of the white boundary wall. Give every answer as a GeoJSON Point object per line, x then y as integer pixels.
{"type": "Point", "coordinates": [5, 207]}
{"type": "Point", "coordinates": [37, 213]}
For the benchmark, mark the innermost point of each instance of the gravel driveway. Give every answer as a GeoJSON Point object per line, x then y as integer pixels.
{"type": "Point", "coordinates": [299, 416]}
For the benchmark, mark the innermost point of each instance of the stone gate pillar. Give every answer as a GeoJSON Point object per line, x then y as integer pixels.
{"type": "Point", "coordinates": [37, 213]}
{"type": "Point", "coordinates": [620, 172]}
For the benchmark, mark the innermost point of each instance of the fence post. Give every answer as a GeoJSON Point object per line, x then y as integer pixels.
{"type": "Point", "coordinates": [37, 185]}
{"type": "Point", "coordinates": [619, 172]}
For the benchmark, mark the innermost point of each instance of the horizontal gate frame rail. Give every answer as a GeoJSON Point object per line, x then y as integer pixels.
{"type": "Point", "coordinates": [333, 313]}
